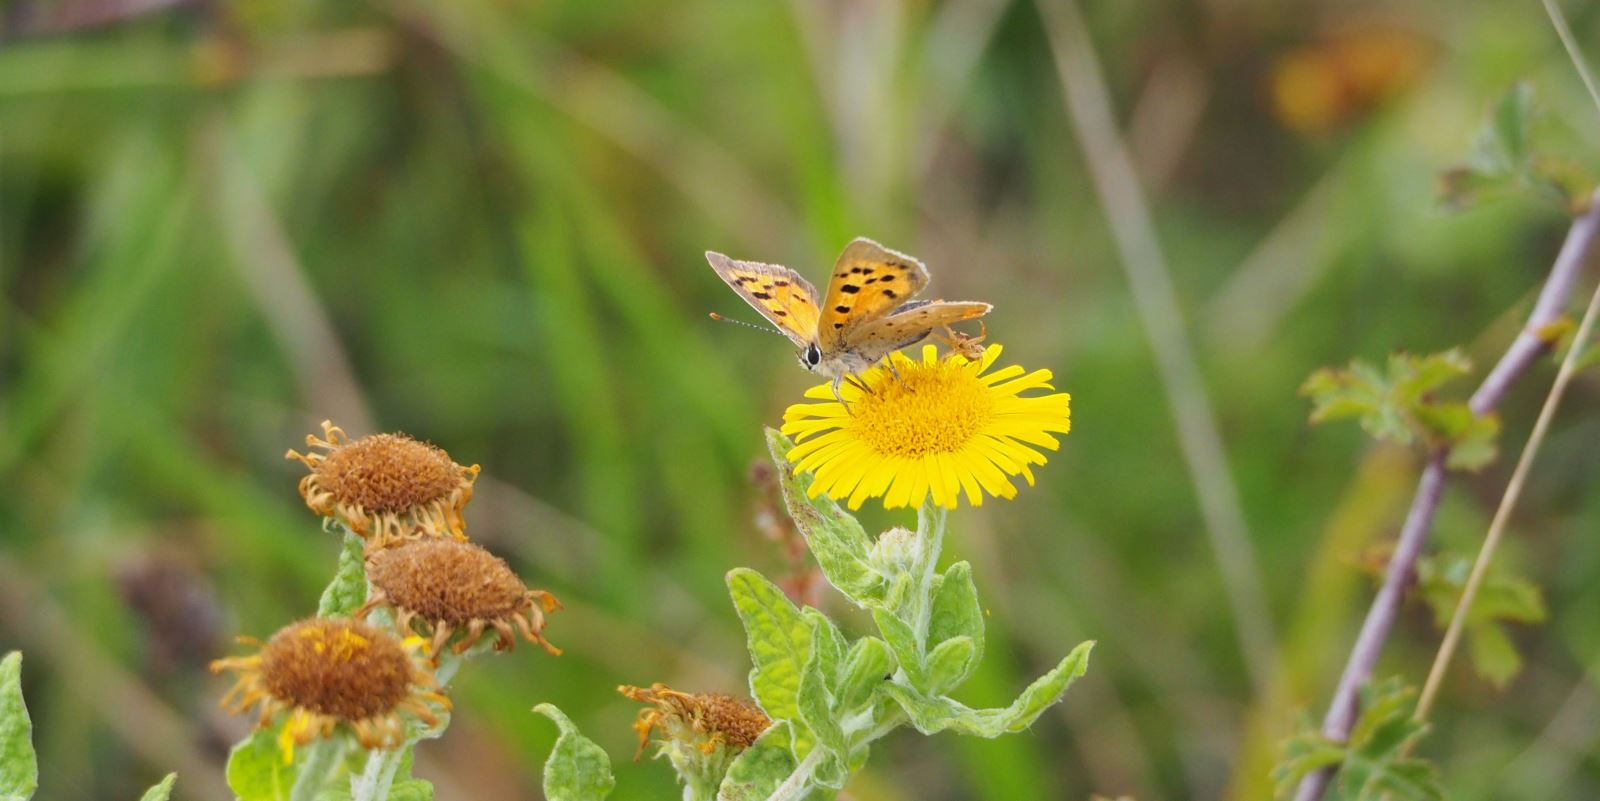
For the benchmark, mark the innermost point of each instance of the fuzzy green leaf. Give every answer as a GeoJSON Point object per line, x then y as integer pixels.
{"type": "Point", "coordinates": [815, 699]}
{"type": "Point", "coordinates": [348, 590]}
{"type": "Point", "coordinates": [19, 766]}
{"type": "Point", "coordinates": [950, 663]}
{"type": "Point", "coordinates": [957, 613]}
{"type": "Point", "coordinates": [1506, 159]}
{"type": "Point", "coordinates": [256, 769]}
{"type": "Point", "coordinates": [162, 791]}
{"type": "Point", "coordinates": [933, 714]}
{"type": "Point", "coordinates": [837, 540]}
{"type": "Point", "coordinates": [779, 640]}
{"type": "Point", "coordinates": [759, 769]}
{"type": "Point", "coordinates": [902, 641]}
{"type": "Point", "coordinates": [866, 667]}
{"type": "Point", "coordinates": [577, 770]}
{"type": "Point", "coordinates": [829, 644]}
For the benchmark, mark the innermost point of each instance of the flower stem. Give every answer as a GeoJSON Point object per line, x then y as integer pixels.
{"type": "Point", "coordinates": [930, 540]}
{"type": "Point", "coordinates": [375, 779]}
{"type": "Point", "coordinates": [321, 757]}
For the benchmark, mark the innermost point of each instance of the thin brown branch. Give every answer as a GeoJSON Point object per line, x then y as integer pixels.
{"type": "Point", "coordinates": [1524, 351]}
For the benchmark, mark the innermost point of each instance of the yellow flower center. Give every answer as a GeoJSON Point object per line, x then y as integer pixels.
{"type": "Point", "coordinates": [931, 408]}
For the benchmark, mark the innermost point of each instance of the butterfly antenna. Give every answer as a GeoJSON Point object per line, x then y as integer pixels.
{"type": "Point", "coordinates": [719, 318]}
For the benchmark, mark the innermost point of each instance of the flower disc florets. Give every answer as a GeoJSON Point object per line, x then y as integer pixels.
{"type": "Point", "coordinates": [385, 486]}
{"type": "Point", "coordinates": [330, 671]}
{"type": "Point", "coordinates": [448, 586]}
{"type": "Point", "coordinates": [700, 732]}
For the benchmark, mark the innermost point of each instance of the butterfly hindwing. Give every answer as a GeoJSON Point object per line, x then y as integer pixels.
{"type": "Point", "coordinates": [779, 293]}
{"type": "Point", "coordinates": [868, 282]}
{"type": "Point", "coordinates": [910, 325]}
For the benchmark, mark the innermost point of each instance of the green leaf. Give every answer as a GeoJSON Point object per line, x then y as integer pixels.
{"type": "Point", "coordinates": [950, 663]}
{"type": "Point", "coordinates": [1502, 598]}
{"type": "Point", "coordinates": [759, 769]}
{"type": "Point", "coordinates": [866, 667]}
{"type": "Point", "coordinates": [836, 539]}
{"type": "Point", "coordinates": [957, 613]}
{"type": "Point", "coordinates": [19, 767]}
{"type": "Point", "coordinates": [1373, 765]}
{"type": "Point", "coordinates": [1398, 405]}
{"type": "Point", "coordinates": [829, 644]}
{"type": "Point", "coordinates": [1506, 159]}
{"type": "Point", "coordinates": [932, 714]}
{"type": "Point", "coordinates": [348, 590]}
{"type": "Point", "coordinates": [577, 770]}
{"type": "Point", "coordinates": [162, 791]}
{"type": "Point", "coordinates": [815, 701]}
{"type": "Point", "coordinates": [779, 640]}
{"type": "Point", "coordinates": [256, 770]}
{"type": "Point", "coordinates": [902, 641]}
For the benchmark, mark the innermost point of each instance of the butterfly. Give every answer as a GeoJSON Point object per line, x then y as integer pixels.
{"type": "Point", "coordinates": [867, 314]}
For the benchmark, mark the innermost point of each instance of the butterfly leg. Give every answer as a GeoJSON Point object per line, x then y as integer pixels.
{"type": "Point", "coordinates": [888, 361]}
{"type": "Point", "coordinates": [839, 397]}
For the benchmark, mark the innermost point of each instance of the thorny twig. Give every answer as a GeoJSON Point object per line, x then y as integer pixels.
{"type": "Point", "coordinates": [1529, 345]}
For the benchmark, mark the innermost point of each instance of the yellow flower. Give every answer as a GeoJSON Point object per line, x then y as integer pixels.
{"type": "Point", "coordinates": [940, 428]}
{"type": "Point", "coordinates": [329, 671]}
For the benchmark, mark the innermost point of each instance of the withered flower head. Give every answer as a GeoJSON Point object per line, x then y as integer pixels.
{"type": "Point", "coordinates": [704, 721]}
{"type": "Point", "coordinates": [449, 586]}
{"type": "Point", "coordinates": [328, 671]}
{"type": "Point", "coordinates": [385, 486]}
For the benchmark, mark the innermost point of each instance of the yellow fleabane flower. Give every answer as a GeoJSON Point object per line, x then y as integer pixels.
{"type": "Point", "coordinates": [940, 428]}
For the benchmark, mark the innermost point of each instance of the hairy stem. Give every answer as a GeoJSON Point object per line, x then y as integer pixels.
{"type": "Point", "coordinates": [321, 756]}
{"type": "Point", "coordinates": [378, 775]}
{"type": "Point", "coordinates": [1524, 350]}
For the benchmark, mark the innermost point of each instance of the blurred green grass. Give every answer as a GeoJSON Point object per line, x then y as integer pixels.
{"type": "Point", "coordinates": [481, 223]}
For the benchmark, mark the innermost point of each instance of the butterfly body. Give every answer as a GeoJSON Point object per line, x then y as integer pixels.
{"type": "Point", "coordinates": [867, 313]}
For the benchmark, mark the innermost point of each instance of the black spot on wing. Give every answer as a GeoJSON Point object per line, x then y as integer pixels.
{"type": "Point", "coordinates": [781, 282]}
{"type": "Point", "coordinates": [838, 325]}
{"type": "Point", "coordinates": [780, 312]}
{"type": "Point", "coordinates": [761, 295]}
{"type": "Point", "coordinates": [849, 289]}
{"type": "Point", "coordinates": [889, 293]}
{"type": "Point", "coordinates": [842, 309]}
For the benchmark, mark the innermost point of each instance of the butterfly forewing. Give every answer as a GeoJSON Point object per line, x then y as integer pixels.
{"type": "Point", "coordinates": [781, 295]}
{"type": "Point", "coordinates": [868, 282]}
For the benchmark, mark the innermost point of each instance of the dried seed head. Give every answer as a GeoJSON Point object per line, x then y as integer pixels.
{"type": "Point", "coordinates": [451, 586]}
{"type": "Point", "coordinates": [343, 668]}
{"type": "Point", "coordinates": [385, 486]}
{"type": "Point", "coordinates": [704, 720]}
{"type": "Point", "coordinates": [330, 671]}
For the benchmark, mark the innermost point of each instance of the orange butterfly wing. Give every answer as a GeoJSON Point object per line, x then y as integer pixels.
{"type": "Point", "coordinates": [868, 282]}
{"type": "Point", "coordinates": [788, 301]}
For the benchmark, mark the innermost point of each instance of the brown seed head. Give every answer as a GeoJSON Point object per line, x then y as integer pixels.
{"type": "Point", "coordinates": [385, 486]}
{"type": "Point", "coordinates": [713, 718]}
{"type": "Point", "coordinates": [388, 473]}
{"type": "Point", "coordinates": [449, 580]}
{"type": "Point", "coordinates": [337, 667]}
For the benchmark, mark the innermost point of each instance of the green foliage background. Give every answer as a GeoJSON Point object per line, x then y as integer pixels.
{"type": "Point", "coordinates": [481, 223]}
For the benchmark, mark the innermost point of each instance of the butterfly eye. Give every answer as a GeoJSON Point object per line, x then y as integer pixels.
{"type": "Point", "coordinates": [812, 357]}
